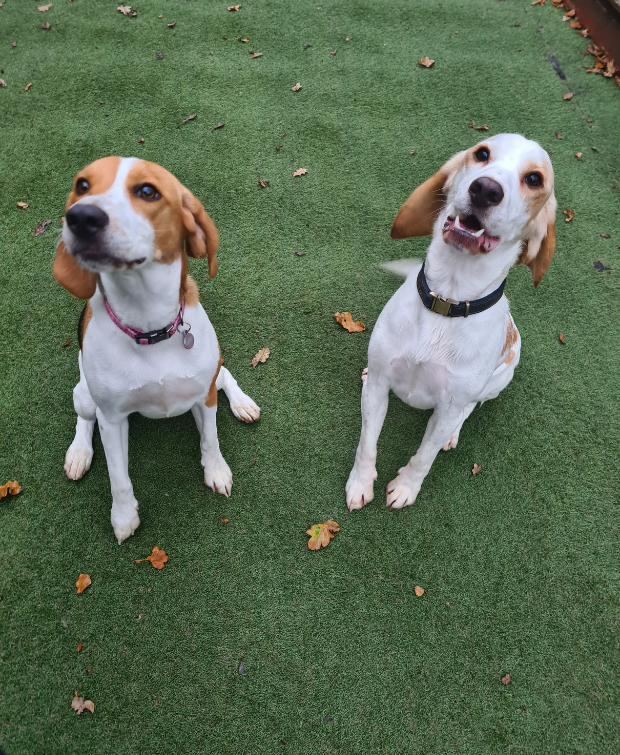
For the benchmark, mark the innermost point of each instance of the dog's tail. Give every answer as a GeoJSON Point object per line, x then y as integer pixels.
{"type": "Point", "coordinates": [401, 267]}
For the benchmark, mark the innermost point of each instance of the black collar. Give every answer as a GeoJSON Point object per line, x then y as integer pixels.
{"type": "Point", "coordinates": [450, 307]}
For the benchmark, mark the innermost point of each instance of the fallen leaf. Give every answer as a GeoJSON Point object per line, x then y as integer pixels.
{"type": "Point", "coordinates": [185, 120]}
{"type": "Point", "coordinates": [261, 356]}
{"type": "Point", "coordinates": [347, 323]}
{"type": "Point", "coordinates": [568, 14]}
{"type": "Point", "coordinates": [419, 591]}
{"type": "Point", "coordinates": [584, 33]}
{"type": "Point", "coordinates": [300, 172]}
{"type": "Point", "coordinates": [140, 140]}
{"type": "Point", "coordinates": [412, 151]}
{"type": "Point", "coordinates": [562, 339]}
{"type": "Point", "coordinates": [263, 184]}
{"type": "Point", "coordinates": [570, 215]}
{"type": "Point", "coordinates": [568, 96]}
{"type": "Point", "coordinates": [157, 558]}
{"type": "Point", "coordinates": [427, 62]}
{"type": "Point", "coordinates": [299, 254]}
{"type": "Point", "coordinates": [27, 87]}
{"type": "Point", "coordinates": [13, 44]}
{"type": "Point", "coordinates": [127, 10]}
{"type": "Point", "coordinates": [307, 46]}
{"type": "Point", "coordinates": [219, 125]}
{"type": "Point", "coordinates": [2, 83]}
{"type": "Point", "coordinates": [600, 267]}
{"type": "Point", "coordinates": [506, 679]}
{"type": "Point", "coordinates": [79, 647]}
{"type": "Point", "coordinates": [476, 470]}
{"type": "Point", "coordinates": [347, 39]}
{"type": "Point", "coordinates": [605, 236]}
{"type": "Point", "coordinates": [79, 704]}
{"type": "Point", "coordinates": [43, 8]}
{"type": "Point", "coordinates": [579, 155]}
{"type": "Point", "coordinates": [22, 205]}
{"type": "Point", "coordinates": [234, 7]}
{"type": "Point", "coordinates": [557, 135]}
{"type": "Point", "coordinates": [296, 88]}
{"type": "Point", "coordinates": [65, 344]}
{"type": "Point", "coordinates": [82, 583]}
{"type": "Point", "coordinates": [160, 56]}
{"type": "Point", "coordinates": [321, 534]}
{"type": "Point", "coordinates": [575, 25]}
{"type": "Point", "coordinates": [224, 521]}
{"type": "Point", "coordinates": [46, 25]}
{"type": "Point", "coordinates": [42, 227]}
{"type": "Point", "coordinates": [172, 25]}
{"type": "Point", "coordinates": [256, 55]}
{"type": "Point", "coordinates": [10, 488]}
{"type": "Point", "coordinates": [478, 128]}
{"type": "Point", "coordinates": [246, 39]}
{"type": "Point", "coordinates": [333, 52]}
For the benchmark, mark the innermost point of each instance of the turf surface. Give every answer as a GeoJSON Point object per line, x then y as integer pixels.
{"type": "Point", "coordinates": [520, 563]}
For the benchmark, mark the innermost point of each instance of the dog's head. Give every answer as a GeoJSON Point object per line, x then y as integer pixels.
{"type": "Point", "coordinates": [124, 213]}
{"type": "Point", "coordinates": [488, 199]}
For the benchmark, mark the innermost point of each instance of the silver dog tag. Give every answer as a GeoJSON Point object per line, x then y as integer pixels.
{"type": "Point", "coordinates": [188, 340]}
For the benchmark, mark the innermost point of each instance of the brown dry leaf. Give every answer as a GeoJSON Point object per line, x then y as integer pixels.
{"type": "Point", "coordinates": [65, 344]}
{"type": "Point", "coordinates": [13, 44]}
{"type": "Point", "coordinates": [43, 8]}
{"type": "Point", "coordinates": [46, 25]}
{"type": "Point", "coordinates": [157, 558]}
{"type": "Point", "coordinates": [261, 356]}
{"type": "Point", "coordinates": [263, 184]}
{"type": "Point", "coordinates": [347, 39]}
{"type": "Point", "coordinates": [484, 127]}
{"type": "Point", "coordinates": [22, 205]}
{"type": "Point", "coordinates": [605, 236]}
{"type": "Point", "coordinates": [579, 155]}
{"type": "Point", "coordinates": [427, 62]}
{"type": "Point", "coordinates": [333, 52]}
{"type": "Point", "coordinates": [345, 319]}
{"type": "Point", "coordinates": [219, 125]}
{"type": "Point", "coordinates": [575, 25]}
{"type": "Point", "coordinates": [79, 704]}
{"type": "Point", "coordinates": [568, 96]}
{"type": "Point", "coordinates": [82, 583]}
{"type": "Point", "coordinates": [245, 39]}
{"type": "Point", "coordinates": [27, 87]}
{"type": "Point", "coordinates": [2, 83]}
{"type": "Point", "coordinates": [79, 647]}
{"type": "Point", "coordinates": [412, 151]}
{"type": "Point", "coordinates": [172, 25]}
{"type": "Point", "coordinates": [570, 215]}
{"type": "Point", "coordinates": [233, 7]}
{"type": "Point", "coordinates": [557, 135]}
{"type": "Point", "coordinates": [300, 172]}
{"type": "Point", "coordinates": [557, 3]}
{"type": "Point", "coordinates": [42, 227]}
{"type": "Point", "coordinates": [140, 140]}
{"type": "Point", "coordinates": [189, 118]}
{"type": "Point", "coordinates": [127, 10]}
{"type": "Point", "coordinates": [477, 469]}
{"type": "Point", "coordinates": [321, 534]}
{"type": "Point", "coordinates": [296, 88]}
{"type": "Point", "coordinates": [419, 591]}
{"type": "Point", "coordinates": [223, 521]}
{"type": "Point", "coordinates": [562, 339]}
{"type": "Point", "coordinates": [538, 2]}
{"type": "Point", "coordinates": [256, 55]}
{"type": "Point", "coordinates": [506, 679]}
{"type": "Point", "coordinates": [568, 14]}
{"type": "Point", "coordinates": [10, 488]}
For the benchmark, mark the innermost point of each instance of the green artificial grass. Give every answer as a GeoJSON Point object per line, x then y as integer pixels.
{"type": "Point", "coordinates": [519, 564]}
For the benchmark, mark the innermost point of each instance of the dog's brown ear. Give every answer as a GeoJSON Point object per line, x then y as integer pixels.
{"type": "Point", "coordinates": [78, 281]}
{"type": "Point", "coordinates": [417, 216]}
{"type": "Point", "coordinates": [541, 242]}
{"type": "Point", "coordinates": [201, 234]}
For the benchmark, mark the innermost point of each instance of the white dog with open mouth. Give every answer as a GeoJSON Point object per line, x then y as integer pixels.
{"type": "Point", "coordinates": [446, 340]}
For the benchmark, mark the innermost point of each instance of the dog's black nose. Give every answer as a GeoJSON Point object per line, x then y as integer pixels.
{"type": "Point", "coordinates": [86, 220]}
{"type": "Point", "coordinates": [485, 192]}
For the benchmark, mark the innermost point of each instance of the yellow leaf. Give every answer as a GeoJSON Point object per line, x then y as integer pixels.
{"type": "Point", "coordinates": [12, 488]}
{"type": "Point", "coordinates": [82, 583]}
{"type": "Point", "coordinates": [157, 558]}
{"type": "Point", "coordinates": [345, 319]}
{"type": "Point", "coordinates": [321, 534]}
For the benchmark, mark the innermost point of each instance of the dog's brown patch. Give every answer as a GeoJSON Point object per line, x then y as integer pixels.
{"type": "Point", "coordinates": [511, 335]}
{"type": "Point", "coordinates": [211, 399]}
{"type": "Point", "coordinates": [85, 318]}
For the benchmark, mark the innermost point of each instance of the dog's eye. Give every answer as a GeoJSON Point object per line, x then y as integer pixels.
{"type": "Point", "coordinates": [81, 186]}
{"type": "Point", "coordinates": [533, 179]}
{"type": "Point", "coordinates": [147, 192]}
{"type": "Point", "coordinates": [482, 155]}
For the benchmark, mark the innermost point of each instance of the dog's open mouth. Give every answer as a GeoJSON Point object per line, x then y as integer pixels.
{"type": "Point", "coordinates": [95, 258]}
{"type": "Point", "coordinates": [467, 232]}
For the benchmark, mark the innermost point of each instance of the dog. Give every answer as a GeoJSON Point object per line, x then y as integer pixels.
{"type": "Point", "coordinates": [146, 343]}
{"type": "Point", "coordinates": [446, 340]}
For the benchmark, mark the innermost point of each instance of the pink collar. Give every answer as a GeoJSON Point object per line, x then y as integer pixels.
{"type": "Point", "coordinates": [153, 336]}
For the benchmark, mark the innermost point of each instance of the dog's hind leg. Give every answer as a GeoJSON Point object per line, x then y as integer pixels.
{"type": "Point", "coordinates": [80, 453]}
{"type": "Point", "coordinates": [218, 476]}
{"type": "Point", "coordinates": [241, 405]}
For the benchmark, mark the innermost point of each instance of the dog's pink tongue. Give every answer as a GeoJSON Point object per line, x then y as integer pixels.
{"type": "Point", "coordinates": [488, 243]}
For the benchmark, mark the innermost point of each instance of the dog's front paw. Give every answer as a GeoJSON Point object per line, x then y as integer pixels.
{"type": "Point", "coordinates": [218, 476]}
{"type": "Point", "coordinates": [125, 523]}
{"type": "Point", "coordinates": [244, 408]}
{"type": "Point", "coordinates": [359, 489]}
{"type": "Point", "coordinates": [78, 460]}
{"type": "Point", "coordinates": [402, 491]}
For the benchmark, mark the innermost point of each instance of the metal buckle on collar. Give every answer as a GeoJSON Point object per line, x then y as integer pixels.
{"type": "Point", "coordinates": [441, 304]}
{"type": "Point", "coordinates": [153, 336]}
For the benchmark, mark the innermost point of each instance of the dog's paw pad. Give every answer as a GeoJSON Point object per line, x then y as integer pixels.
{"type": "Point", "coordinates": [77, 461]}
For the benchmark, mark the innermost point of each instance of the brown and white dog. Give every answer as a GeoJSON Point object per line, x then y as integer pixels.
{"type": "Point", "coordinates": [446, 339]}
{"type": "Point", "coordinates": [129, 226]}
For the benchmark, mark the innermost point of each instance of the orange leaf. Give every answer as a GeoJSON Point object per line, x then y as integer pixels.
{"type": "Point", "coordinates": [478, 128]}
{"type": "Point", "coordinates": [427, 62]}
{"type": "Point", "coordinates": [321, 534]}
{"type": "Point", "coordinates": [223, 521]}
{"type": "Point", "coordinates": [477, 469]}
{"type": "Point", "coordinates": [300, 172]}
{"type": "Point", "coordinates": [562, 339]}
{"type": "Point", "coordinates": [345, 319]}
{"type": "Point", "coordinates": [79, 647]}
{"type": "Point", "coordinates": [261, 356]}
{"type": "Point", "coordinates": [568, 14]}
{"type": "Point", "coordinates": [157, 558]}
{"type": "Point", "coordinates": [27, 87]}
{"type": "Point", "coordinates": [419, 591]}
{"type": "Point", "coordinates": [79, 704]}
{"type": "Point", "coordinates": [506, 679]}
{"type": "Point", "coordinates": [570, 215]}
{"type": "Point", "coordinates": [296, 88]}
{"type": "Point", "coordinates": [82, 583]}
{"type": "Point", "coordinates": [538, 2]}
{"type": "Point", "coordinates": [245, 39]}
{"type": "Point", "coordinates": [233, 7]}
{"type": "Point", "coordinates": [10, 487]}
{"type": "Point", "coordinates": [575, 25]}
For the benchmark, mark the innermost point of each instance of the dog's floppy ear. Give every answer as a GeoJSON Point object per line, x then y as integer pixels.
{"type": "Point", "coordinates": [78, 281]}
{"type": "Point", "coordinates": [417, 216]}
{"type": "Point", "coordinates": [201, 234]}
{"type": "Point", "coordinates": [541, 242]}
